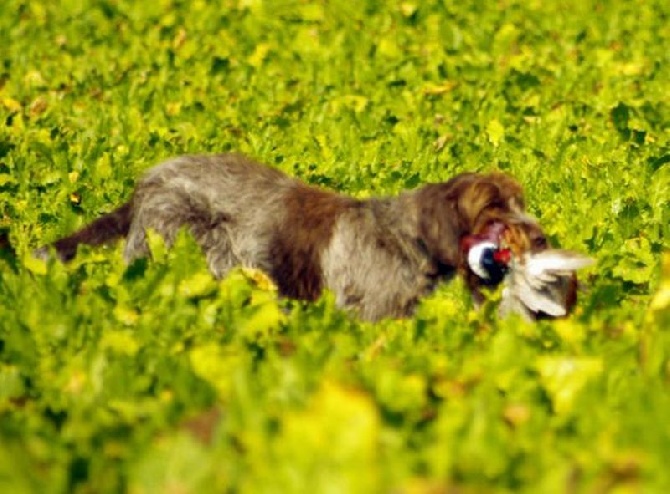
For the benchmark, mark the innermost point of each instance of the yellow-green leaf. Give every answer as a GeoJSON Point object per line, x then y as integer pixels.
{"type": "Point", "coordinates": [496, 132]}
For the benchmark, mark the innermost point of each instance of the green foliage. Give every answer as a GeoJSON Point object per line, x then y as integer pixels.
{"type": "Point", "coordinates": [154, 377]}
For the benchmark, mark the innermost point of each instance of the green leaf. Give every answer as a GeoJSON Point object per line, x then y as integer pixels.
{"type": "Point", "coordinates": [564, 378]}
{"type": "Point", "coordinates": [177, 463]}
{"type": "Point", "coordinates": [496, 132]}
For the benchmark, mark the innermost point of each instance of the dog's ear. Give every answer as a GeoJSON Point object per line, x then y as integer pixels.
{"type": "Point", "coordinates": [492, 197]}
{"type": "Point", "coordinates": [439, 223]}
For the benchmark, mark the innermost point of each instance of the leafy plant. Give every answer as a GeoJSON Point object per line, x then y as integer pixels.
{"type": "Point", "coordinates": [156, 377]}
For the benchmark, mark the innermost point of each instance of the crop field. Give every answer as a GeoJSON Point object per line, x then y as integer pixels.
{"type": "Point", "coordinates": [155, 378]}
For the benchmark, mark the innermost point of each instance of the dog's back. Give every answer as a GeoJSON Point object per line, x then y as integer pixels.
{"type": "Point", "coordinates": [229, 203]}
{"type": "Point", "coordinates": [205, 194]}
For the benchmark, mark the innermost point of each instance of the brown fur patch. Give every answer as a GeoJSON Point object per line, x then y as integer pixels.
{"type": "Point", "coordinates": [523, 237]}
{"type": "Point", "coordinates": [297, 246]}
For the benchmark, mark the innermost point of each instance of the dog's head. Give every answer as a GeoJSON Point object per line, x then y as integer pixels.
{"type": "Point", "coordinates": [471, 207]}
{"type": "Point", "coordinates": [474, 204]}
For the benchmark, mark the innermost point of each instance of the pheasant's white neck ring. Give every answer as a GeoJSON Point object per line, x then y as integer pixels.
{"type": "Point", "coordinates": [475, 258]}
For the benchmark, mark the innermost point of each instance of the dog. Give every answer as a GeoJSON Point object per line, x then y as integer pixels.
{"type": "Point", "coordinates": [379, 256]}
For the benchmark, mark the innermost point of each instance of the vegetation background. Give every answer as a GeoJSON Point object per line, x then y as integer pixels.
{"type": "Point", "coordinates": [155, 378]}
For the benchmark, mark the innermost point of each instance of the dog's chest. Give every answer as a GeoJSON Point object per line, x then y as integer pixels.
{"type": "Point", "coordinates": [376, 271]}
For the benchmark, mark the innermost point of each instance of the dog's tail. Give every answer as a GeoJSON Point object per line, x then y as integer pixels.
{"type": "Point", "coordinates": [104, 230]}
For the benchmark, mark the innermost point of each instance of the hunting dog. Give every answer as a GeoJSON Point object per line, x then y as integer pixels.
{"type": "Point", "coordinates": [378, 256]}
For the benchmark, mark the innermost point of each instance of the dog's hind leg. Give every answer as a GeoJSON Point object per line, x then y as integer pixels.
{"type": "Point", "coordinates": [166, 211]}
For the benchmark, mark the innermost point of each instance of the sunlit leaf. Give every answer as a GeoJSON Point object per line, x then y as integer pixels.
{"type": "Point", "coordinates": [495, 131]}
{"type": "Point", "coordinates": [172, 464]}
{"type": "Point", "coordinates": [565, 377]}
{"type": "Point", "coordinates": [34, 265]}
{"type": "Point", "coordinates": [333, 441]}
{"type": "Point", "coordinates": [120, 342]}
{"type": "Point", "coordinates": [661, 300]}
{"type": "Point", "coordinates": [197, 285]}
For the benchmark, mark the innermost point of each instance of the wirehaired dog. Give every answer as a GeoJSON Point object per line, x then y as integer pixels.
{"type": "Point", "coordinates": [379, 256]}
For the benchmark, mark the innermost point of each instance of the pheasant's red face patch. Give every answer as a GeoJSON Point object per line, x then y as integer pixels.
{"type": "Point", "coordinates": [519, 237]}
{"type": "Point", "coordinates": [493, 232]}
{"type": "Point", "coordinates": [502, 256]}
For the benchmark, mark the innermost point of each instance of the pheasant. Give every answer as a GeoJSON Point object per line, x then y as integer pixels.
{"type": "Point", "coordinates": [537, 282]}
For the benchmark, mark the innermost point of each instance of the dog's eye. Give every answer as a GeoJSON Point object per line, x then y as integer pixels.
{"type": "Point", "coordinates": [540, 242]}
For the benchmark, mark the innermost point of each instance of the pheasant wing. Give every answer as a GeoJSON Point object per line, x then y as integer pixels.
{"type": "Point", "coordinates": [539, 282]}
